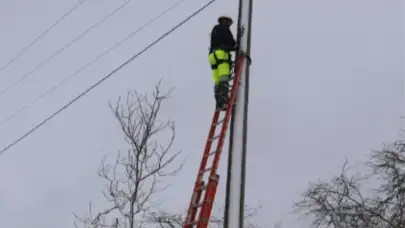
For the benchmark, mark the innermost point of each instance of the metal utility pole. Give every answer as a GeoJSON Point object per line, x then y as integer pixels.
{"type": "Point", "coordinates": [235, 187]}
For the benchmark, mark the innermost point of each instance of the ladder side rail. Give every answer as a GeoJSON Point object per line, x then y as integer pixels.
{"type": "Point", "coordinates": [203, 222]}
{"type": "Point", "coordinates": [209, 195]}
{"type": "Point", "coordinates": [198, 184]}
{"type": "Point", "coordinates": [197, 198]}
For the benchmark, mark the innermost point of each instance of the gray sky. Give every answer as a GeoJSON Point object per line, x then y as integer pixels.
{"type": "Point", "coordinates": [326, 82]}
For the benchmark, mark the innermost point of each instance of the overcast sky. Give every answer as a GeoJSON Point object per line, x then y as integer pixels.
{"type": "Point", "coordinates": [326, 83]}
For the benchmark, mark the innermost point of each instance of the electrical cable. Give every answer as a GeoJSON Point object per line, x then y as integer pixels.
{"type": "Point", "coordinates": [43, 34]}
{"type": "Point", "coordinates": [32, 130]}
{"type": "Point", "coordinates": [66, 46]}
{"type": "Point", "coordinates": [85, 66]}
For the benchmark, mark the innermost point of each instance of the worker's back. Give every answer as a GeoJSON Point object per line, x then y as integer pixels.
{"type": "Point", "coordinates": [221, 38]}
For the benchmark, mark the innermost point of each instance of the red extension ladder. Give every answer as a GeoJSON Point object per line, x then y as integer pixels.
{"type": "Point", "coordinates": [209, 183]}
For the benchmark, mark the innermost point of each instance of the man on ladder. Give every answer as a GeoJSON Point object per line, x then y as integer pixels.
{"type": "Point", "coordinates": [222, 43]}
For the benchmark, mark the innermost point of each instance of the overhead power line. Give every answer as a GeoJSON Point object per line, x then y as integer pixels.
{"type": "Point", "coordinates": [27, 47]}
{"type": "Point", "coordinates": [37, 67]}
{"type": "Point", "coordinates": [32, 130]}
{"type": "Point", "coordinates": [85, 66]}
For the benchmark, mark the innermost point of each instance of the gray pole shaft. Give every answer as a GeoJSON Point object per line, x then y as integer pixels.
{"type": "Point", "coordinates": [235, 188]}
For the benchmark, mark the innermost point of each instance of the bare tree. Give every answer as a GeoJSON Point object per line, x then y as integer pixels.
{"type": "Point", "coordinates": [135, 176]}
{"type": "Point", "coordinates": [372, 197]}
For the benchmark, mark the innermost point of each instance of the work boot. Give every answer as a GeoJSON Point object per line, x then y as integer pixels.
{"type": "Point", "coordinates": [219, 99]}
{"type": "Point", "coordinates": [223, 91]}
{"type": "Point", "coordinates": [221, 106]}
{"type": "Point", "coordinates": [217, 96]}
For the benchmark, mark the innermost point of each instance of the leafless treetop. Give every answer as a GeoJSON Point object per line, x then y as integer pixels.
{"type": "Point", "coordinates": [135, 176]}
{"type": "Point", "coordinates": [373, 197]}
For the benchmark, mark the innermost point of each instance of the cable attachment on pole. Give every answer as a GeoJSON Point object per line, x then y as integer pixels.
{"type": "Point", "coordinates": [242, 53]}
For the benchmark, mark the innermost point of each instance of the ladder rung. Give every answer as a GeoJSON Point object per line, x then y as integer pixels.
{"type": "Point", "coordinates": [193, 223]}
{"type": "Point", "coordinates": [206, 170]}
{"type": "Point", "coordinates": [203, 187]}
{"type": "Point", "coordinates": [221, 121]}
{"type": "Point", "coordinates": [214, 178]}
{"type": "Point", "coordinates": [212, 153]}
{"type": "Point", "coordinates": [215, 137]}
{"type": "Point", "coordinates": [198, 205]}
